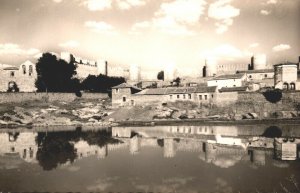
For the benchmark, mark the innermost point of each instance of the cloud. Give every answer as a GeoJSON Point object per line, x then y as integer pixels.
{"type": "Point", "coordinates": [135, 29]}
{"type": "Point", "coordinates": [97, 5]}
{"type": "Point", "coordinates": [15, 49]}
{"type": "Point", "coordinates": [70, 44]}
{"type": "Point", "coordinates": [272, 2]}
{"type": "Point", "coordinates": [127, 4]}
{"type": "Point", "coordinates": [254, 45]}
{"type": "Point", "coordinates": [57, 1]}
{"type": "Point", "coordinates": [281, 47]}
{"type": "Point", "coordinates": [222, 11]}
{"type": "Point", "coordinates": [185, 11]}
{"type": "Point", "coordinates": [265, 12]}
{"type": "Point", "coordinates": [101, 27]}
{"type": "Point", "coordinates": [224, 51]}
{"type": "Point", "coordinates": [170, 26]}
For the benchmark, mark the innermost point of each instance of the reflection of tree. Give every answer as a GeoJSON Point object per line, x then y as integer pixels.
{"type": "Point", "coordinates": [56, 148]}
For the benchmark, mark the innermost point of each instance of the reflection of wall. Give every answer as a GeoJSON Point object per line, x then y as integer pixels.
{"type": "Point", "coordinates": [24, 144]}
{"type": "Point", "coordinates": [83, 149]}
{"type": "Point", "coordinates": [134, 145]}
{"type": "Point", "coordinates": [169, 148]}
{"type": "Point", "coordinates": [121, 132]}
{"type": "Point", "coordinates": [258, 157]}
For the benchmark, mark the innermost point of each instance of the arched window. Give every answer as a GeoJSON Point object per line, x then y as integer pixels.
{"type": "Point", "coordinates": [292, 86]}
{"type": "Point", "coordinates": [30, 70]}
{"type": "Point", "coordinates": [285, 86]}
{"type": "Point", "coordinates": [24, 69]}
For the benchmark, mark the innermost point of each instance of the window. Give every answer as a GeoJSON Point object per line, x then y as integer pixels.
{"type": "Point", "coordinates": [250, 76]}
{"type": "Point", "coordinates": [117, 90]}
{"type": "Point", "coordinates": [12, 73]}
{"type": "Point", "coordinates": [184, 96]}
{"type": "Point", "coordinates": [190, 96]}
{"type": "Point", "coordinates": [205, 97]}
{"type": "Point", "coordinates": [234, 85]}
{"type": "Point", "coordinates": [124, 99]}
{"type": "Point", "coordinates": [266, 75]}
{"type": "Point", "coordinates": [178, 96]}
{"type": "Point", "coordinates": [212, 96]}
{"type": "Point", "coordinates": [292, 86]}
{"type": "Point", "coordinates": [171, 96]}
{"type": "Point", "coordinates": [30, 70]}
{"type": "Point", "coordinates": [24, 69]}
{"type": "Point", "coordinates": [200, 97]}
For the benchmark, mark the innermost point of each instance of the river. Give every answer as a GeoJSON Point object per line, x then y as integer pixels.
{"type": "Point", "coordinates": [261, 158]}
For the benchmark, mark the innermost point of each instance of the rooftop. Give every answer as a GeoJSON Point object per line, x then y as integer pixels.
{"type": "Point", "coordinates": [125, 85]}
{"type": "Point", "coordinates": [285, 64]}
{"type": "Point", "coordinates": [233, 89]}
{"type": "Point", "coordinates": [177, 90]}
{"type": "Point", "coordinates": [11, 68]}
{"type": "Point", "coordinates": [229, 76]}
{"type": "Point", "coordinates": [256, 71]}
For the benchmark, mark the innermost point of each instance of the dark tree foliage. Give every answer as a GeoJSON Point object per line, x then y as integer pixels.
{"type": "Point", "coordinates": [161, 75]}
{"type": "Point", "coordinates": [100, 83]}
{"type": "Point", "coordinates": [272, 132]}
{"type": "Point", "coordinates": [273, 96]}
{"type": "Point", "coordinates": [55, 148]}
{"type": "Point", "coordinates": [177, 81]}
{"type": "Point", "coordinates": [55, 75]}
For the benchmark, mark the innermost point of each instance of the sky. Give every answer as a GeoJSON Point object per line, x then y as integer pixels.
{"type": "Point", "coordinates": [151, 33]}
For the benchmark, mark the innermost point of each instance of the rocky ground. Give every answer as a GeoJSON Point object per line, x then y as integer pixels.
{"type": "Point", "coordinates": [100, 113]}
{"type": "Point", "coordinates": [37, 113]}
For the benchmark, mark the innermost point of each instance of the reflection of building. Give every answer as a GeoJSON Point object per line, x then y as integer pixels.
{"type": "Point", "coordinates": [22, 144]}
{"type": "Point", "coordinates": [83, 149]}
{"type": "Point", "coordinates": [23, 77]}
{"type": "Point", "coordinates": [169, 148]}
{"type": "Point", "coordinates": [121, 132]}
{"type": "Point", "coordinates": [134, 145]}
{"type": "Point", "coordinates": [286, 149]}
{"type": "Point", "coordinates": [258, 156]}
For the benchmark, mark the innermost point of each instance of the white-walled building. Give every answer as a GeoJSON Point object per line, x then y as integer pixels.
{"type": "Point", "coordinates": [232, 80]}
{"type": "Point", "coordinates": [23, 77]}
{"type": "Point", "coordinates": [286, 76]}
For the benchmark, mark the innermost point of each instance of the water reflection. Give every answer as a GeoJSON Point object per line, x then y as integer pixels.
{"type": "Point", "coordinates": [223, 147]}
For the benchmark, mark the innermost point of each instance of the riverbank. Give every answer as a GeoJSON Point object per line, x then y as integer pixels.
{"type": "Point", "coordinates": [99, 113]}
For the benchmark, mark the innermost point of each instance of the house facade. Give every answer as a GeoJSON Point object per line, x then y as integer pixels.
{"type": "Point", "coordinates": [285, 77]}
{"type": "Point", "coordinates": [232, 80]}
{"type": "Point", "coordinates": [23, 77]}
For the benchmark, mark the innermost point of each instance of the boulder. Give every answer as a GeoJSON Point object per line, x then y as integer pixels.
{"type": "Point", "coordinates": [111, 119]}
{"type": "Point", "coordinates": [238, 117]}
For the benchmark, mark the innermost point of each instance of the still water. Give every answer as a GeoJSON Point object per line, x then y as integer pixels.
{"type": "Point", "coordinates": [260, 158]}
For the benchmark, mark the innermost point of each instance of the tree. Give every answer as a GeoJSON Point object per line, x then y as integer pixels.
{"type": "Point", "coordinates": [55, 75]}
{"type": "Point", "coordinates": [100, 83]}
{"type": "Point", "coordinates": [177, 81]}
{"type": "Point", "coordinates": [161, 75]}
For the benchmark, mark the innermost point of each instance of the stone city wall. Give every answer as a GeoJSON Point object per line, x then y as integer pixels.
{"type": "Point", "coordinates": [65, 97]}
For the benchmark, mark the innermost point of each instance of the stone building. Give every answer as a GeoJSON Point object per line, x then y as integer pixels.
{"type": "Point", "coordinates": [230, 80]}
{"type": "Point", "coordinates": [286, 76]}
{"type": "Point", "coordinates": [121, 94]}
{"type": "Point", "coordinates": [23, 77]}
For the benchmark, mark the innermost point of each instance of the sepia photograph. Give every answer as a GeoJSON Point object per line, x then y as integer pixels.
{"type": "Point", "coordinates": [150, 96]}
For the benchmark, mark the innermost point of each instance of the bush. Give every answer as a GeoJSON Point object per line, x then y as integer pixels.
{"type": "Point", "coordinates": [273, 96]}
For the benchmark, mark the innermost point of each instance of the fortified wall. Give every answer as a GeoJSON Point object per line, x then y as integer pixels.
{"type": "Point", "coordinates": [64, 97]}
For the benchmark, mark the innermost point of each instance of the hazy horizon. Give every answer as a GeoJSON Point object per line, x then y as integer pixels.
{"type": "Point", "coordinates": [151, 33]}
